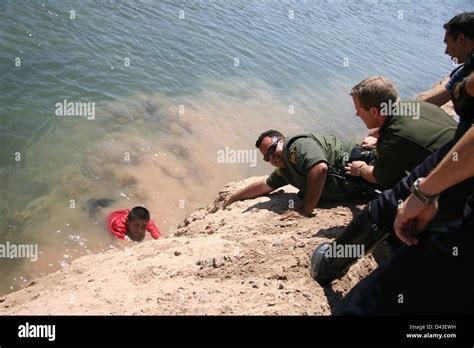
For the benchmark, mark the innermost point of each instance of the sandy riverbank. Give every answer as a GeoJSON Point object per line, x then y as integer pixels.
{"type": "Point", "coordinates": [242, 260]}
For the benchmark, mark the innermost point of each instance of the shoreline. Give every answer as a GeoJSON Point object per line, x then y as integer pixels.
{"type": "Point", "coordinates": [242, 260]}
{"type": "Point", "coordinates": [238, 261]}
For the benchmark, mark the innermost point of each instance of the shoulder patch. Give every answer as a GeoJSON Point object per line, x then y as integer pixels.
{"type": "Point", "coordinates": [293, 156]}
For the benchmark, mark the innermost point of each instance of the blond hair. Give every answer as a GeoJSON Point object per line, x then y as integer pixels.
{"type": "Point", "coordinates": [373, 91]}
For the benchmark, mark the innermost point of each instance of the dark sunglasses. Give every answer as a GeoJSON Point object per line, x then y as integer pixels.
{"type": "Point", "coordinates": [271, 150]}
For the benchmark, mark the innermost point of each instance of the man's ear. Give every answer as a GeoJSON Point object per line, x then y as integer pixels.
{"type": "Point", "coordinates": [375, 112]}
{"type": "Point", "coordinates": [461, 38]}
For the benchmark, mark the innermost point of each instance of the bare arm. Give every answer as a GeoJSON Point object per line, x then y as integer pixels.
{"type": "Point", "coordinates": [362, 169]}
{"type": "Point", "coordinates": [439, 97]}
{"type": "Point", "coordinates": [315, 181]}
{"type": "Point", "coordinates": [366, 172]}
{"type": "Point", "coordinates": [256, 189]}
{"type": "Point", "coordinates": [456, 166]}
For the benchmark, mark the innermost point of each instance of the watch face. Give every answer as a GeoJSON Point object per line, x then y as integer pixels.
{"type": "Point", "coordinates": [414, 185]}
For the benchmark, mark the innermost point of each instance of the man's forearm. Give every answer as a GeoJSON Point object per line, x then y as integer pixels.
{"type": "Point", "coordinates": [456, 166]}
{"type": "Point", "coordinates": [314, 188]}
{"type": "Point", "coordinates": [438, 98]}
{"type": "Point", "coordinates": [252, 191]}
{"type": "Point", "coordinates": [366, 172]}
{"type": "Point", "coordinates": [470, 85]}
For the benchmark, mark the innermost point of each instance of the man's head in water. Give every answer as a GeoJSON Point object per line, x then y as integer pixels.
{"type": "Point", "coordinates": [137, 222]}
{"type": "Point", "coordinates": [270, 144]}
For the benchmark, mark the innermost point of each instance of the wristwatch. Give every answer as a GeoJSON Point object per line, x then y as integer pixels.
{"type": "Point", "coordinates": [420, 195]}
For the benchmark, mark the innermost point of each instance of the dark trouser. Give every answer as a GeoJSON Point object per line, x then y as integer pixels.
{"type": "Point", "coordinates": [361, 231]}
{"type": "Point", "coordinates": [381, 214]}
{"type": "Point", "coordinates": [451, 201]}
{"type": "Point", "coordinates": [434, 277]}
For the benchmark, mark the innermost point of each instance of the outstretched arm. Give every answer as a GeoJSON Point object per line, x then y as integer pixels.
{"type": "Point", "coordinates": [151, 227]}
{"type": "Point", "coordinates": [254, 190]}
{"type": "Point", "coordinates": [439, 97]}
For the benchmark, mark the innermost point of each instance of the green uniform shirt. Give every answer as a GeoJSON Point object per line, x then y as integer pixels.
{"type": "Point", "coordinates": [302, 152]}
{"type": "Point", "coordinates": [405, 141]}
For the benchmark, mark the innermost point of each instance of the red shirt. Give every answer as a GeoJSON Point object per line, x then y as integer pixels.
{"type": "Point", "coordinates": [117, 224]}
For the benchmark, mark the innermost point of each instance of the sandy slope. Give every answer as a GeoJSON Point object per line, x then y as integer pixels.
{"type": "Point", "coordinates": [243, 260]}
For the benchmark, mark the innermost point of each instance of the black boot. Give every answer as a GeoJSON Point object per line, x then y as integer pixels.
{"type": "Point", "coordinates": [361, 231]}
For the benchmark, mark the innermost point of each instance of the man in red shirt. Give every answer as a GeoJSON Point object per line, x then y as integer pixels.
{"type": "Point", "coordinates": [132, 224]}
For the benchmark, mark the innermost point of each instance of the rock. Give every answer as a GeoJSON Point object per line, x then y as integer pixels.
{"type": "Point", "coordinates": [216, 263]}
{"type": "Point", "coordinates": [177, 253]}
{"type": "Point", "coordinates": [181, 231]}
{"type": "Point", "coordinates": [300, 244]}
{"type": "Point", "coordinates": [278, 277]}
{"type": "Point", "coordinates": [214, 209]}
{"type": "Point", "coordinates": [209, 229]}
{"type": "Point", "coordinates": [32, 283]}
{"type": "Point", "coordinates": [280, 286]}
{"type": "Point", "coordinates": [297, 263]}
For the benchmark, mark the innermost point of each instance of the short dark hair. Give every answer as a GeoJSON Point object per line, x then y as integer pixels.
{"type": "Point", "coordinates": [461, 24]}
{"type": "Point", "coordinates": [269, 133]}
{"type": "Point", "coordinates": [139, 213]}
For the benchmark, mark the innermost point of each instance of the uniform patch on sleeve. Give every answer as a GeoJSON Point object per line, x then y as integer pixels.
{"type": "Point", "coordinates": [293, 156]}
